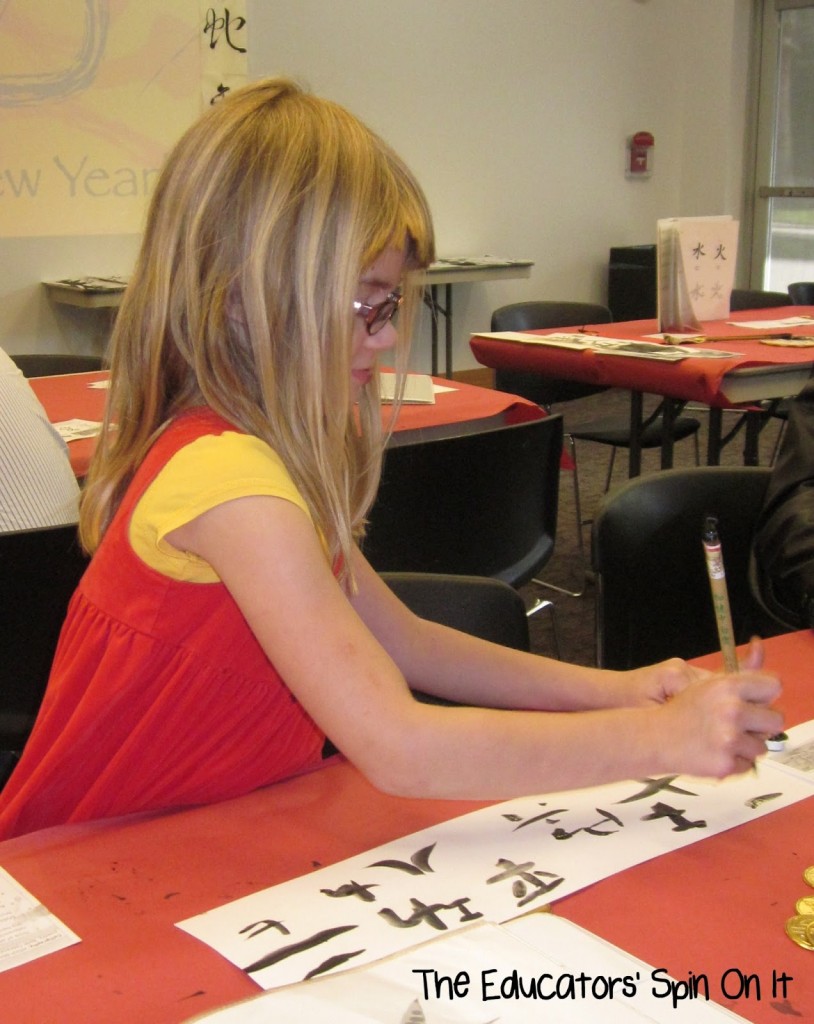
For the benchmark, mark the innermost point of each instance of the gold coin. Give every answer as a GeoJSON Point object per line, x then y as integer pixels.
{"type": "Point", "coordinates": [799, 930]}
{"type": "Point", "coordinates": [805, 906]}
{"type": "Point", "coordinates": [808, 875]}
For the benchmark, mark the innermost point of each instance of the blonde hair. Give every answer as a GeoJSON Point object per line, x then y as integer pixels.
{"type": "Point", "coordinates": [265, 214]}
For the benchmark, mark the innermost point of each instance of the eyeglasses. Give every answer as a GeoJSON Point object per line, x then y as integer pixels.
{"type": "Point", "coordinates": [377, 316]}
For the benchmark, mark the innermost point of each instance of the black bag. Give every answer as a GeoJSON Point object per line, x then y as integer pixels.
{"type": "Point", "coordinates": [783, 550]}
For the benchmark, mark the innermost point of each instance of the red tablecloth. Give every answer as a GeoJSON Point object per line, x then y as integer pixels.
{"type": "Point", "coordinates": [718, 904]}
{"type": "Point", "coordinates": [695, 380]}
{"type": "Point", "coordinates": [722, 904]}
{"type": "Point", "coordinates": [69, 396]}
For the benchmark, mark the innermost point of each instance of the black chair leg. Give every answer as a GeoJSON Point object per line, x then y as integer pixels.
{"type": "Point", "coordinates": [572, 448]}
{"type": "Point", "coordinates": [543, 605]}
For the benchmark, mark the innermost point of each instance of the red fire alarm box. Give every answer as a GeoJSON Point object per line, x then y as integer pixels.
{"type": "Point", "coordinates": [640, 155]}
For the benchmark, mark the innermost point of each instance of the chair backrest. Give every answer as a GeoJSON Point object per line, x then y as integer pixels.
{"type": "Point", "coordinates": [653, 594]}
{"type": "Point", "coordinates": [39, 571]}
{"type": "Point", "coordinates": [483, 607]}
{"type": "Point", "coordinates": [476, 504]}
{"type": "Point", "coordinates": [40, 364]}
{"type": "Point", "coordinates": [539, 315]}
{"type": "Point", "coordinates": [802, 293]}
{"type": "Point", "coordinates": [747, 298]}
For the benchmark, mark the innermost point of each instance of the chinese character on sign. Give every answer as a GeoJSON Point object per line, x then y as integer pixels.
{"type": "Point", "coordinates": [223, 28]}
{"type": "Point", "coordinates": [220, 92]}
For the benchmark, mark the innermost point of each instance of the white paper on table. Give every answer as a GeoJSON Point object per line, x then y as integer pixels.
{"type": "Point", "coordinates": [73, 430]}
{"type": "Point", "coordinates": [630, 347]}
{"type": "Point", "coordinates": [493, 865]}
{"type": "Point", "coordinates": [27, 929]}
{"type": "Point", "coordinates": [557, 339]}
{"type": "Point", "coordinates": [798, 760]}
{"type": "Point", "coordinates": [418, 388]}
{"type": "Point", "coordinates": [771, 325]}
{"type": "Point", "coordinates": [664, 352]}
{"type": "Point", "coordinates": [99, 385]}
{"type": "Point", "coordinates": [461, 979]}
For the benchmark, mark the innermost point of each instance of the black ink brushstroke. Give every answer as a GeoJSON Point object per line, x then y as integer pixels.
{"type": "Point", "coordinates": [263, 926]}
{"type": "Point", "coordinates": [675, 815]}
{"type": "Point", "coordinates": [546, 817]}
{"type": "Point", "coordinates": [419, 863]}
{"type": "Point", "coordinates": [332, 963]}
{"type": "Point", "coordinates": [653, 786]}
{"type": "Point", "coordinates": [298, 947]}
{"type": "Point", "coordinates": [756, 801]}
{"type": "Point", "coordinates": [352, 888]}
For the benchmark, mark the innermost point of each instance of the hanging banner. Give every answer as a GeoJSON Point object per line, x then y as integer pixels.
{"type": "Point", "coordinates": [93, 93]}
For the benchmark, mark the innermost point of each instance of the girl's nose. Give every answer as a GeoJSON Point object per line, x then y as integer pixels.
{"type": "Point", "coordinates": [384, 339]}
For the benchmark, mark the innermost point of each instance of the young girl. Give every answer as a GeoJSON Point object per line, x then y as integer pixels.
{"type": "Point", "coordinates": [228, 622]}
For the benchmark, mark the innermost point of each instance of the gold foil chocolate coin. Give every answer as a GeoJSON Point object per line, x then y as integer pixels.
{"type": "Point", "coordinates": [805, 905]}
{"type": "Point", "coordinates": [799, 929]}
{"type": "Point", "coordinates": [808, 875]}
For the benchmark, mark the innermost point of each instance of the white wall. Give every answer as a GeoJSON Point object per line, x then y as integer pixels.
{"type": "Point", "coordinates": [513, 114]}
{"type": "Point", "coordinates": [29, 322]}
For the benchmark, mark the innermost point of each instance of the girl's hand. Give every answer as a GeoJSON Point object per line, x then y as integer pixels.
{"type": "Point", "coordinates": [659, 683]}
{"type": "Point", "coordinates": [718, 726]}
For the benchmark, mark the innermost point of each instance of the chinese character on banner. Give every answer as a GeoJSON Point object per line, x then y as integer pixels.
{"type": "Point", "coordinates": [224, 49]}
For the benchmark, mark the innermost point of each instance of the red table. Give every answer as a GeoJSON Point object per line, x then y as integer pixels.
{"type": "Point", "coordinates": [465, 407]}
{"type": "Point", "coordinates": [758, 372]}
{"type": "Point", "coordinates": [121, 886]}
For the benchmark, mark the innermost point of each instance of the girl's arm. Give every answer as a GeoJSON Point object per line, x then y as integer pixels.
{"type": "Point", "coordinates": [453, 665]}
{"type": "Point", "coordinates": [345, 667]}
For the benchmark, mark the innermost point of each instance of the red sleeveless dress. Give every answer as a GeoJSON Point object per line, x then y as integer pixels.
{"type": "Point", "coordinates": [160, 696]}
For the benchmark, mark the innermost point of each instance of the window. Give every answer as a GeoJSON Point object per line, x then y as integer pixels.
{"type": "Point", "coordinates": [783, 240]}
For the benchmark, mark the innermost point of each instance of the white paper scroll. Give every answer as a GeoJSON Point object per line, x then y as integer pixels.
{"type": "Point", "coordinates": [489, 866]}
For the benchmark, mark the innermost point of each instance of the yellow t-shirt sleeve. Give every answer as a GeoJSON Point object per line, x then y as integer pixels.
{"type": "Point", "coordinates": [201, 476]}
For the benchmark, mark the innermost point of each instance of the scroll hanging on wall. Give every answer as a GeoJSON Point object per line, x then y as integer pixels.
{"type": "Point", "coordinates": [224, 49]}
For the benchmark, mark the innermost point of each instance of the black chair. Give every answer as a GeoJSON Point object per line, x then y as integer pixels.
{"type": "Point", "coordinates": [653, 594]}
{"type": "Point", "coordinates": [613, 431]}
{"type": "Point", "coordinates": [39, 571]}
{"type": "Point", "coordinates": [478, 605]}
{"type": "Point", "coordinates": [38, 364]}
{"type": "Point", "coordinates": [474, 504]}
{"type": "Point", "coordinates": [539, 315]}
{"type": "Point", "coordinates": [750, 298]}
{"type": "Point", "coordinates": [802, 293]}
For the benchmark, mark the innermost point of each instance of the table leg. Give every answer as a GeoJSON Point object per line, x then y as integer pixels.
{"type": "Point", "coordinates": [448, 325]}
{"type": "Point", "coordinates": [670, 410]}
{"type": "Point", "coordinates": [755, 421]}
{"type": "Point", "coordinates": [635, 453]}
{"type": "Point", "coordinates": [716, 418]}
{"type": "Point", "coordinates": [432, 302]}
{"type": "Point", "coordinates": [751, 421]}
